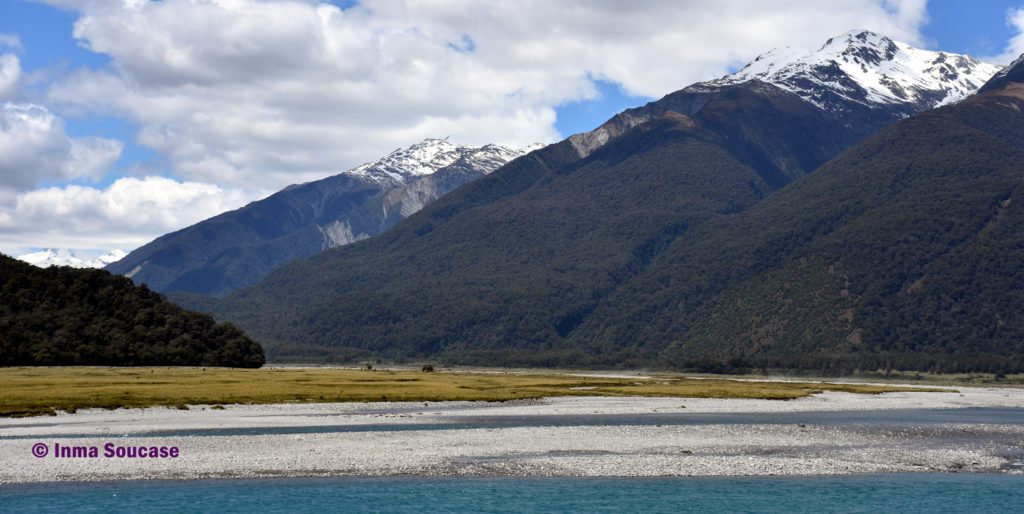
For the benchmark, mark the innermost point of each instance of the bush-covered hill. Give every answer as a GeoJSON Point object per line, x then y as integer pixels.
{"type": "Point", "coordinates": [66, 316]}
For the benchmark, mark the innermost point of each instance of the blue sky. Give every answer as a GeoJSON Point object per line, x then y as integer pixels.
{"type": "Point", "coordinates": [187, 114]}
{"type": "Point", "coordinates": [970, 27]}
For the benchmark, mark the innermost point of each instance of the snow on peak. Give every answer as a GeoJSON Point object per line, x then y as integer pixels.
{"type": "Point", "coordinates": [426, 157]}
{"type": "Point", "coordinates": [488, 158]}
{"type": "Point", "coordinates": [869, 69]}
{"type": "Point", "coordinates": [64, 257]}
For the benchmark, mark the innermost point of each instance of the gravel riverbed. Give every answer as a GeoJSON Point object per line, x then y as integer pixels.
{"type": "Point", "coordinates": [830, 433]}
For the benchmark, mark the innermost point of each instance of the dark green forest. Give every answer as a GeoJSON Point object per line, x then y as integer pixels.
{"type": "Point", "coordinates": [903, 253]}
{"type": "Point", "coordinates": [64, 316]}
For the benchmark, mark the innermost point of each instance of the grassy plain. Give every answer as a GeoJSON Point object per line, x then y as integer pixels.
{"type": "Point", "coordinates": [28, 391]}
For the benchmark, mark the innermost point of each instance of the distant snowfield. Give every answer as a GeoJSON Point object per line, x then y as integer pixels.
{"type": "Point", "coordinates": [963, 430]}
{"type": "Point", "coordinates": [64, 257]}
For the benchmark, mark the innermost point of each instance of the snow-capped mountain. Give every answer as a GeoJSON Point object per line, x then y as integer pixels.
{"type": "Point", "coordinates": [64, 257]}
{"type": "Point", "coordinates": [861, 78]}
{"type": "Point", "coordinates": [867, 68]}
{"type": "Point", "coordinates": [430, 155]}
{"type": "Point", "coordinates": [240, 247]}
{"type": "Point", "coordinates": [417, 176]}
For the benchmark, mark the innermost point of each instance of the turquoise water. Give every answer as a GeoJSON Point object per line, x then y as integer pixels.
{"type": "Point", "coordinates": [869, 494]}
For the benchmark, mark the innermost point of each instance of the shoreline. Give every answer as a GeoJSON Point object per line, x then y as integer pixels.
{"type": "Point", "coordinates": [441, 478]}
{"type": "Point", "coordinates": [901, 432]}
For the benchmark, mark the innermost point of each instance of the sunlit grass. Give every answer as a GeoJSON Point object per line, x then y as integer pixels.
{"type": "Point", "coordinates": [28, 391]}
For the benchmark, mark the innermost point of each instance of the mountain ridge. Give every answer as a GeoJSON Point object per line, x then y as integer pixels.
{"type": "Point", "coordinates": [239, 247]}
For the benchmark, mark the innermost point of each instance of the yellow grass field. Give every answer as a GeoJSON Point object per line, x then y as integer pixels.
{"type": "Point", "coordinates": [28, 391]}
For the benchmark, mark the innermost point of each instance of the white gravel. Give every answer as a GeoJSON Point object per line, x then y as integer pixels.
{"type": "Point", "coordinates": [608, 450]}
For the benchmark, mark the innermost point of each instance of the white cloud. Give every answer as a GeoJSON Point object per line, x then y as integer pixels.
{"type": "Point", "coordinates": [1015, 46]}
{"type": "Point", "coordinates": [124, 215]}
{"type": "Point", "coordinates": [10, 76]}
{"type": "Point", "coordinates": [241, 97]}
{"type": "Point", "coordinates": [10, 66]}
{"type": "Point", "coordinates": [35, 148]}
{"type": "Point", "coordinates": [268, 93]}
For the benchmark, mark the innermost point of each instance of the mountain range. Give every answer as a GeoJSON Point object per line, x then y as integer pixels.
{"type": "Point", "coordinates": [770, 218]}
{"type": "Point", "coordinates": [65, 257]}
{"type": "Point", "coordinates": [238, 248]}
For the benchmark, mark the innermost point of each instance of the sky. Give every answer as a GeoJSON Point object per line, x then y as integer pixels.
{"type": "Point", "coordinates": [123, 120]}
